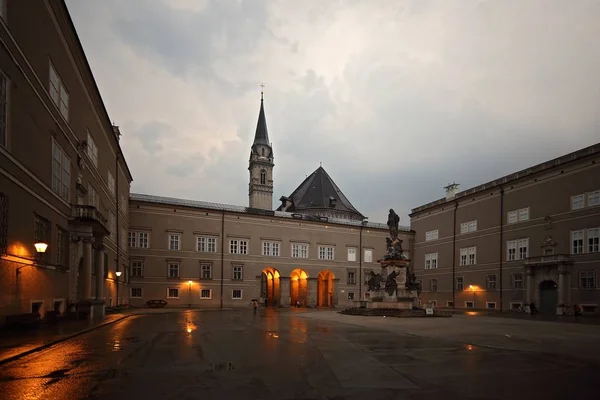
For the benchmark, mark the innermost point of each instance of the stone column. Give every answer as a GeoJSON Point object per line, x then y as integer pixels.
{"type": "Point", "coordinates": [284, 291]}
{"type": "Point", "coordinates": [86, 270]}
{"type": "Point", "coordinates": [334, 292]}
{"type": "Point", "coordinates": [529, 277]}
{"type": "Point", "coordinates": [312, 292]}
{"type": "Point", "coordinates": [99, 261]}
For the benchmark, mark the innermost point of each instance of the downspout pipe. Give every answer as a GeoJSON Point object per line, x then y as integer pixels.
{"type": "Point", "coordinates": [454, 256]}
{"type": "Point", "coordinates": [222, 251]}
{"type": "Point", "coordinates": [500, 246]}
{"type": "Point", "coordinates": [117, 225]}
{"type": "Point", "coordinates": [360, 283]}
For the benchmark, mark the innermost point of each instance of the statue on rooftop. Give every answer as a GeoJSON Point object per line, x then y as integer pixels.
{"type": "Point", "coordinates": [392, 223]}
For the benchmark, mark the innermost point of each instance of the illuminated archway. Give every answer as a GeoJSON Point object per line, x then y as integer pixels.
{"type": "Point", "coordinates": [299, 287]}
{"type": "Point", "coordinates": [325, 288]}
{"type": "Point", "coordinates": [270, 286]}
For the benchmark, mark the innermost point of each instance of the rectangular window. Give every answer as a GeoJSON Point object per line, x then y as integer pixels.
{"type": "Point", "coordinates": [593, 197]}
{"type": "Point", "coordinates": [523, 247]}
{"type": "Point", "coordinates": [351, 278]}
{"type": "Point", "coordinates": [112, 225]}
{"type": "Point", "coordinates": [577, 202]}
{"type": "Point", "coordinates": [593, 240]}
{"type": "Point", "coordinates": [206, 244]}
{"type": "Point", "coordinates": [61, 172]}
{"type": "Point", "coordinates": [587, 279]}
{"type": "Point", "coordinates": [238, 246]}
{"type": "Point", "coordinates": [3, 9]}
{"type": "Point", "coordinates": [463, 256]}
{"type": "Point", "coordinates": [271, 249]}
{"type": "Point", "coordinates": [299, 250]}
{"type": "Point", "coordinates": [206, 294]}
{"type": "Point", "coordinates": [136, 293]}
{"type": "Point", "coordinates": [92, 148]}
{"type": "Point", "coordinates": [111, 183]}
{"type": "Point", "coordinates": [511, 250]}
{"type": "Point", "coordinates": [173, 270]}
{"type": "Point", "coordinates": [352, 254]}
{"type": "Point", "coordinates": [93, 198]}
{"type": "Point", "coordinates": [433, 285]}
{"type": "Point", "coordinates": [137, 269]}
{"type": "Point", "coordinates": [517, 281]}
{"type": "Point", "coordinates": [326, 253]}
{"type": "Point", "coordinates": [491, 282]}
{"type": "Point", "coordinates": [464, 227]}
{"type": "Point", "coordinates": [132, 239]}
{"type": "Point", "coordinates": [473, 226]}
{"type": "Point", "coordinates": [490, 304]}
{"type": "Point", "coordinates": [368, 255]}
{"type": "Point", "coordinates": [205, 271]}
{"type": "Point", "coordinates": [512, 217]}
{"type": "Point", "coordinates": [237, 272]}
{"type": "Point", "coordinates": [4, 86]}
{"type": "Point", "coordinates": [524, 214]}
{"type": "Point", "coordinates": [432, 235]}
{"type": "Point", "coordinates": [350, 295]}
{"type": "Point", "coordinates": [172, 293]}
{"type": "Point", "coordinates": [236, 294]}
{"type": "Point", "coordinates": [58, 93]}
{"type": "Point", "coordinates": [460, 283]}
{"type": "Point", "coordinates": [468, 256]}
{"type": "Point", "coordinates": [41, 229]}
{"type": "Point", "coordinates": [469, 226]}
{"type": "Point", "coordinates": [174, 242]}
{"type": "Point", "coordinates": [123, 203]}
{"type": "Point", "coordinates": [449, 303]}
{"type": "Point", "coordinates": [469, 304]}
{"type": "Point", "coordinates": [143, 240]}
{"type": "Point", "coordinates": [431, 261]}
{"type": "Point", "coordinates": [576, 242]}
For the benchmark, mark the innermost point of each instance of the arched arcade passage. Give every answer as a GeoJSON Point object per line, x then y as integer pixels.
{"type": "Point", "coordinates": [270, 286]}
{"type": "Point", "coordinates": [299, 287]}
{"type": "Point", "coordinates": [325, 288]}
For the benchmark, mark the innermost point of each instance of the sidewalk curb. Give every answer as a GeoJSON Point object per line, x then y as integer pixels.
{"type": "Point", "coordinates": [62, 339]}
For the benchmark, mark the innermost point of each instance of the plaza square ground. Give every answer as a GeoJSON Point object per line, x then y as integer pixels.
{"type": "Point", "coordinates": [309, 354]}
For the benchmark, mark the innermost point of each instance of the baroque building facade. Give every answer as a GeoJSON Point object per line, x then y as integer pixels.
{"type": "Point", "coordinates": [529, 237]}
{"type": "Point", "coordinates": [64, 182]}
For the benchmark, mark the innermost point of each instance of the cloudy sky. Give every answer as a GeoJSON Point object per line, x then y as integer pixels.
{"type": "Point", "coordinates": [395, 98]}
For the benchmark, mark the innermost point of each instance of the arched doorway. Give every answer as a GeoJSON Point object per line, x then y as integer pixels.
{"type": "Point", "coordinates": [325, 289]}
{"type": "Point", "coordinates": [299, 287]}
{"type": "Point", "coordinates": [548, 297]}
{"type": "Point", "coordinates": [269, 287]}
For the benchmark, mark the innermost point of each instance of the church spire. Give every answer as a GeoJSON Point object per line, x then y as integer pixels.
{"type": "Point", "coordinates": [261, 137]}
{"type": "Point", "coordinates": [261, 164]}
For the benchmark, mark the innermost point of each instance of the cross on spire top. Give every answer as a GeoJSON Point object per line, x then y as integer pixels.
{"type": "Point", "coordinates": [262, 90]}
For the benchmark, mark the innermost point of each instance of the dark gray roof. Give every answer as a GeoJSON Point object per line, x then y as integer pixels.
{"type": "Point", "coordinates": [247, 210]}
{"type": "Point", "coordinates": [262, 135]}
{"type": "Point", "coordinates": [315, 192]}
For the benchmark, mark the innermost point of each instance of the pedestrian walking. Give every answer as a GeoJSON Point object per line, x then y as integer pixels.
{"type": "Point", "coordinates": [254, 305]}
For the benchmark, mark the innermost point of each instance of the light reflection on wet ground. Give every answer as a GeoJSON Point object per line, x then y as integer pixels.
{"type": "Point", "coordinates": [278, 355]}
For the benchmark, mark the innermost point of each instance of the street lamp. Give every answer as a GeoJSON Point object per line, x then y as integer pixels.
{"type": "Point", "coordinates": [118, 274]}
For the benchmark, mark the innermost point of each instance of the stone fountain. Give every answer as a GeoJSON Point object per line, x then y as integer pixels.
{"type": "Point", "coordinates": [395, 286]}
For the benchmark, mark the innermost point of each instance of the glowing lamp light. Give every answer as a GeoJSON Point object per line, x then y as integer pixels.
{"type": "Point", "coordinates": [41, 247]}
{"type": "Point", "coordinates": [472, 288]}
{"type": "Point", "coordinates": [118, 273]}
{"type": "Point", "coordinates": [190, 282]}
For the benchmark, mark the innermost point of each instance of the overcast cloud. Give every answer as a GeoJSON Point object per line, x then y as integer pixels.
{"type": "Point", "coordinates": [396, 98]}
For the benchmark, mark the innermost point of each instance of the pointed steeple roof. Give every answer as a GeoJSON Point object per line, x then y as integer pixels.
{"type": "Point", "coordinates": [319, 192]}
{"type": "Point", "coordinates": [262, 135]}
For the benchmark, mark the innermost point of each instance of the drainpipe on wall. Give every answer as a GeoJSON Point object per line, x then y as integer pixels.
{"type": "Point", "coordinates": [501, 241]}
{"type": "Point", "coordinates": [360, 262]}
{"type": "Point", "coordinates": [222, 251]}
{"type": "Point", "coordinates": [454, 257]}
{"type": "Point", "coordinates": [117, 227]}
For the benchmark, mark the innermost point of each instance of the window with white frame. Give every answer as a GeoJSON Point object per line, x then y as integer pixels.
{"type": "Point", "coordinates": [577, 202]}
{"type": "Point", "coordinates": [432, 235]}
{"type": "Point", "coordinates": [490, 304]}
{"type": "Point", "coordinates": [174, 241]}
{"type": "Point", "coordinates": [431, 261]}
{"type": "Point", "coordinates": [93, 198]}
{"type": "Point", "coordinates": [236, 294]}
{"type": "Point", "coordinates": [511, 250]}
{"type": "Point", "coordinates": [271, 249]}
{"type": "Point", "coordinates": [368, 255]}
{"type": "Point", "coordinates": [593, 240]}
{"type": "Point", "coordinates": [173, 270]}
{"type": "Point", "coordinates": [577, 242]}
{"type": "Point", "coordinates": [460, 283]}
{"type": "Point", "coordinates": [352, 254]}
{"type": "Point", "coordinates": [468, 255]}
{"type": "Point", "coordinates": [111, 183]}
{"type": "Point", "coordinates": [517, 281]}
{"type": "Point", "coordinates": [469, 226]}
{"type": "Point", "coordinates": [326, 253]}
{"type": "Point", "coordinates": [137, 269]}
{"type": "Point", "coordinates": [205, 271]}
{"type": "Point", "coordinates": [172, 293]}
{"type": "Point", "coordinates": [238, 273]}
{"type": "Point", "coordinates": [587, 279]}
{"type": "Point", "coordinates": [491, 282]}
{"type": "Point", "coordinates": [139, 239]}
{"type": "Point", "coordinates": [433, 285]}
{"type": "Point", "coordinates": [469, 304]}
{"type": "Point", "coordinates": [299, 250]}
{"type": "Point", "coordinates": [593, 198]}
{"type": "Point", "coordinates": [449, 303]}
{"type": "Point", "coordinates": [238, 246]}
{"type": "Point", "coordinates": [92, 148]}
{"type": "Point", "coordinates": [132, 239]}
{"type": "Point", "coordinates": [350, 295]}
{"type": "Point", "coordinates": [520, 215]}
{"type": "Point", "coordinates": [136, 293]}
{"type": "Point", "coordinates": [523, 247]}
{"type": "Point", "coordinates": [351, 277]}
{"type": "Point", "coordinates": [61, 172]}
{"type": "Point", "coordinates": [524, 214]}
{"type": "Point", "coordinates": [59, 93]}
{"type": "Point", "coordinates": [206, 244]}
{"type": "Point", "coordinates": [206, 294]}
{"type": "Point", "coordinates": [513, 217]}
{"type": "Point", "coordinates": [4, 88]}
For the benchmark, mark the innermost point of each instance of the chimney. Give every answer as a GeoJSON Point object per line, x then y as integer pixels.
{"type": "Point", "coordinates": [332, 201]}
{"type": "Point", "coordinates": [451, 190]}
